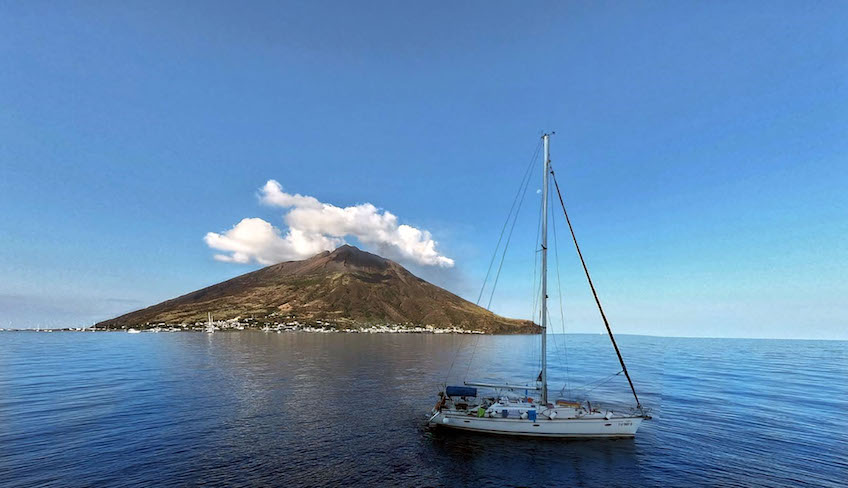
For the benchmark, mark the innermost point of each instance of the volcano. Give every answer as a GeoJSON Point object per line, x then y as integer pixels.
{"type": "Point", "coordinates": [347, 287]}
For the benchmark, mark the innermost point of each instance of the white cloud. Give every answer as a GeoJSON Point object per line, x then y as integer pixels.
{"type": "Point", "coordinates": [256, 240]}
{"type": "Point", "coordinates": [272, 194]}
{"type": "Point", "coordinates": [314, 226]}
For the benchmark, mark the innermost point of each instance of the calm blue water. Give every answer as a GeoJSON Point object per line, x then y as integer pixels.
{"type": "Point", "coordinates": [298, 409]}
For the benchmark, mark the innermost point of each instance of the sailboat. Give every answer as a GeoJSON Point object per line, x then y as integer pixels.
{"type": "Point", "coordinates": [210, 326]}
{"type": "Point", "coordinates": [511, 410]}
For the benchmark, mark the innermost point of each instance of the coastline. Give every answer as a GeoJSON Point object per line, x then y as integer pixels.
{"type": "Point", "coordinates": [320, 327]}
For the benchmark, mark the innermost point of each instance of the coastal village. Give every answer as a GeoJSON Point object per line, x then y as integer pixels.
{"type": "Point", "coordinates": [238, 324]}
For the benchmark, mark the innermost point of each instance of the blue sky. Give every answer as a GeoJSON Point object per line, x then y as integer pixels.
{"type": "Point", "coordinates": [701, 146]}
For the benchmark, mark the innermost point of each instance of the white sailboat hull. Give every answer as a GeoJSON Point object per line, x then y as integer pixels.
{"type": "Point", "coordinates": [557, 428]}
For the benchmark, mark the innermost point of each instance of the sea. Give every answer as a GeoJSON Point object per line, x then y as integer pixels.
{"type": "Point", "coordinates": [308, 409]}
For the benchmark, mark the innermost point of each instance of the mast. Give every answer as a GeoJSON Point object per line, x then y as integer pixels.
{"type": "Point", "coordinates": [545, 169]}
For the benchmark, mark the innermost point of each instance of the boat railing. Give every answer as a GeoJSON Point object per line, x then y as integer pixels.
{"type": "Point", "coordinates": [505, 387]}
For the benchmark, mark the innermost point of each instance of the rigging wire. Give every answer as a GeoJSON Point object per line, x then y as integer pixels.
{"type": "Point", "coordinates": [506, 245]}
{"type": "Point", "coordinates": [585, 390]}
{"type": "Point", "coordinates": [537, 258]}
{"type": "Point", "coordinates": [536, 286]}
{"type": "Point", "coordinates": [559, 287]}
{"type": "Point", "coordinates": [524, 183]}
{"type": "Point", "coordinates": [595, 293]}
{"type": "Point", "coordinates": [561, 309]}
{"type": "Point", "coordinates": [535, 298]}
{"type": "Point", "coordinates": [523, 193]}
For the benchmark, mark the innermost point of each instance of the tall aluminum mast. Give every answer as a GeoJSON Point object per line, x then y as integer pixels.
{"type": "Point", "coordinates": [545, 169]}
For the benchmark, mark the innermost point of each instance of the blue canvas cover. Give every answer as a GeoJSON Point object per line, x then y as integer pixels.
{"type": "Point", "coordinates": [465, 391]}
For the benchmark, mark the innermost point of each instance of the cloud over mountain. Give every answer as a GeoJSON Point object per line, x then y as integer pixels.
{"type": "Point", "coordinates": [314, 226]}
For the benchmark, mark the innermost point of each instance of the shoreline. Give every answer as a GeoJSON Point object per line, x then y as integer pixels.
{"type": "Point", "coordinates": [322, 328]}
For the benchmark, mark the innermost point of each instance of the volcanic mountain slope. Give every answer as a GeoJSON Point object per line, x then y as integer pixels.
{"type": "Point", "coordinates": [348, 287]}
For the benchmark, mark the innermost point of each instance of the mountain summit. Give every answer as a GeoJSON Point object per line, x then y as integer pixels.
{"type": "Point", "coordinates": [348, 287]}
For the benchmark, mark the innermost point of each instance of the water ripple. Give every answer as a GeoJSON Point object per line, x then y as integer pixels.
{"type": "Point", "coordinates": [246, 409]}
